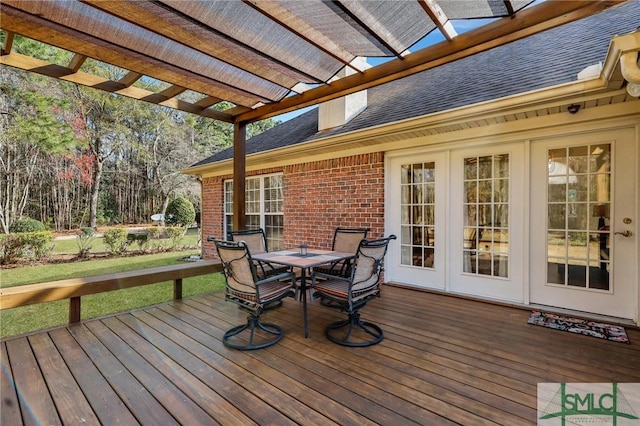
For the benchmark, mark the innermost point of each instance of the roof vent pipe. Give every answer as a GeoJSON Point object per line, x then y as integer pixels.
{"type": "Point", "coordinates": [631, 72]}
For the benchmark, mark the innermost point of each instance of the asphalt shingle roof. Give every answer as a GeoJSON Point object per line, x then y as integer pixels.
{"type": "Point", "coordinates": [543, 60]}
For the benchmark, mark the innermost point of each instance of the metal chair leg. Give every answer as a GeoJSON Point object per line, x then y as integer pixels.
{"type": "Point", "coordinates": [253, 323]}
{"type": "Point", "coordinates": [354, 322]}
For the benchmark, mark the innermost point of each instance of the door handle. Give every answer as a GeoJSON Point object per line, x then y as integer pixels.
{"type": "Point", "coordinates": [626, 233]}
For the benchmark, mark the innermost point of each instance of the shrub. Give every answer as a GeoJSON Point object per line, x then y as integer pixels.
{"type": "Point", "coordinates": [153, 237]}
{"type": "Point", "coordinates": [116, 239]}
{"type": "Point", "coordinates": [11, 248]}
{"type": "Point", "coordinates": [180, 212]}
{"type": "Point", "coordinates": [141, 239]}
{"type": "Point", "coordinates": [86, 236]}
{"type": "Point", "coordinates": [175, 233]}
{"type": "Point", "coordinates": [27, 225]}
{"type": "Point", "coordinates": [154, 233]}
{"type": "Point", "coordinates": [40, 244]}
{"type": "Point", "coordinates": [27, 245]}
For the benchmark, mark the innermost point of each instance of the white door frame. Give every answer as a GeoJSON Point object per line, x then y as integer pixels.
{"type": "Point", "coordinates": [511, 288]}
{"type": "Point", "coordinates": [435, 277]}
{"type": "Point", "coordinates": [622, 300]}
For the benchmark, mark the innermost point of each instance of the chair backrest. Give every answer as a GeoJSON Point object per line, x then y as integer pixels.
{"type": "Point", "coordinates": [239, 270]}
{"type": "Point", "coordinates": [368, 263]}
{"type": "Point", "coordinates": [255, 238]}
{"type": "Point", "coordinates": [347, 240]}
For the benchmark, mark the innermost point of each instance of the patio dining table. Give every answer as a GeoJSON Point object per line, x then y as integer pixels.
{"type": "Point", "coordinates": [305, 262]}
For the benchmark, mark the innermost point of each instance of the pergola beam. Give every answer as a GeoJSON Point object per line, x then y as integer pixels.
{"type": "Point", "coordinates": [76, 62]}
{"type": "Point", "coordinates": [38, 66]}
{"type": "Point", "coordinates": [239, 175]}
{"type": "Point", "coordinates": [7, 44]}
{"type": "Point", "coordinates": [130, 78]}
{"type": "Point", "coordinates": [437, 15]}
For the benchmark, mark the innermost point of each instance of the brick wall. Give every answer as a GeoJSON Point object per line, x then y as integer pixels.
{"type": "Point", "coordinates": [318, 197]}
{"type": "Point", "coordinates": [322, 195]}
{"type": "Point", "coordinates": [212, 218]}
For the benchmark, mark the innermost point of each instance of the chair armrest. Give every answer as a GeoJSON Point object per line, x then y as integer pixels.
{"type": "Point", "coordinates": [327, 276]}
{"type": "Point", "coordinates": [278, 277]}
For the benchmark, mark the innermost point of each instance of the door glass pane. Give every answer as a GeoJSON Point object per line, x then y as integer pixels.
{"type": "Point", "coordinates": [578, 206]}
{"type": "Point", "coordinates": [486, 216]}
{"type": "Point", "coordinates": [418, 214]}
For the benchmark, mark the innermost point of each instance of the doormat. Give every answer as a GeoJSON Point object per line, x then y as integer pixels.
{"type": "Point", "coordinates": [600, 330]}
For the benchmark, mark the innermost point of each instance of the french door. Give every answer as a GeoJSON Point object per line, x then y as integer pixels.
{"type": "Point", "coordinates": [416, 202]}
{"type": "Point", "coordinates": [583, 222]}
{"type": "Point", "coordinates": [486, 222]}
{"type": "Point", "coordinates": [459, 216]}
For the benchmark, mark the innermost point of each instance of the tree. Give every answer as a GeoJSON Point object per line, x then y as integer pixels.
{"type": "Point", "coordinates": [33, 127]}
{"type": "Point", "coordinates": [72, 156]}
{"type": "Point", "coordinates": [180, 212]}
{"type": "Point", "coordinates": [104, 120]}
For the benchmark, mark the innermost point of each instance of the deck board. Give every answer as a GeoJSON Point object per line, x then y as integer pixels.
{"type": "Point", "coordinates": [444, 360]}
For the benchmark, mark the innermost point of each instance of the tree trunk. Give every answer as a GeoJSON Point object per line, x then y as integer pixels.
{"type": "Point", "coordinates": [95, 192]}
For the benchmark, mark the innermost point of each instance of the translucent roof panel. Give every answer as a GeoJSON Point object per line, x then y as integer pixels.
{"type": "Point", "coordinates": [256, 53]}
{"type": "Point", "coordinates": [197, 34]}
{"type": "Point", "coordinates": [398, 24]}
{"type": "Point", "coordinates": [465, 9]}
{"type": "Point", "coordinates": [132, 37]}
{"type": "Point", "coordinates": [248, 26]}
{"type": "Point", "coordinates": [371, 28]}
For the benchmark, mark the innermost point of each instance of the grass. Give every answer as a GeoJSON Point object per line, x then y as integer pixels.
{"type": "Point", "coordinates": [41, 316]}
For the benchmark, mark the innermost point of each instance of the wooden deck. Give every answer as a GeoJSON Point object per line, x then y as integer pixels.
{"type": "Point", "coordinates": [444, 360]}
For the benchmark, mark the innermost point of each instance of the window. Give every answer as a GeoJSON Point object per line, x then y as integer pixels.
{"type": "Point", "coordinates": [578, 212]}
{"type": "Point", "coordinates": [486, 215]}
{"type": "Point", "coordinates": [263, 207]}
{"type": "Point", "coordinates": [418, 187]}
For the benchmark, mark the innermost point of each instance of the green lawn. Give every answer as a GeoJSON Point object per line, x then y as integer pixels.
{"type": "Point", "coordinates": [46, 315]}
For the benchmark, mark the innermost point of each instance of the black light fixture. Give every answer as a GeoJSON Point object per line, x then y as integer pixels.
{"type": "Point", "coordinates": [573, 108]}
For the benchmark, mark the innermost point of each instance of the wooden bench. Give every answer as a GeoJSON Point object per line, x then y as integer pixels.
{"type": "Point", "coordinates": [74, 288]}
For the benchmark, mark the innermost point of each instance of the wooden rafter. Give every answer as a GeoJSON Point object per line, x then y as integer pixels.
{"type": "Point", "coordinates": [208, 101]}
{"type": "Point", "coordinates": [509, 6]}
{"type": "Point", "coordinates": [172, 92]}
{"type": "Point", "coordinates": [437, 15]}
{"type": "Point", "coordinates": [76, 62]}
{"type": "Point", "coordinates": [64, 73]}
{"type": "Point", "coordinates": [368, 25]}
{"type": "Point", "coordinates": [130, 78]}
{"type": "Point", "coordinates": [7, 44]}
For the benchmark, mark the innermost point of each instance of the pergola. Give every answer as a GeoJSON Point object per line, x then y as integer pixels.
{"type": "Point", "coordinates": [265, 57]}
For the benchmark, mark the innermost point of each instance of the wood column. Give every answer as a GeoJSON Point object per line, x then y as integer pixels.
{"type": "Point", "coordinates": [239, 174]}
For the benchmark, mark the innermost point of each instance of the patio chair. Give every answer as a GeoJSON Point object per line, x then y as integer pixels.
{"type": "Point", "coordinates": [256, 240]}
{"type": "Point", "coordinates": [345, 240]}
{"type": "Point", "coordinates": [352, 294]}
{"type": "Point", "coordinates": [251, 294]}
